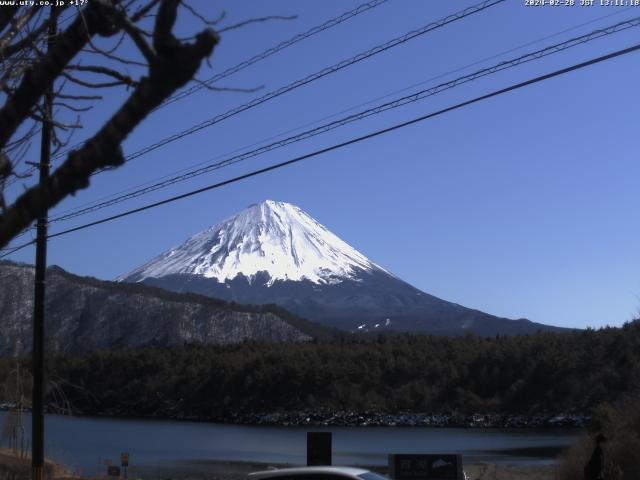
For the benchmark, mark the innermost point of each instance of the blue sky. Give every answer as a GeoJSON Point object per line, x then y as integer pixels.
{"type": "Point", "coordinates": [524, 205]}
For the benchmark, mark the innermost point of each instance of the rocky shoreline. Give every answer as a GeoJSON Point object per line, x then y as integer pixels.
{"type": "Point", "coordinates": [350, 418]}
{"type": "Point", "coordinates": [408, 419]}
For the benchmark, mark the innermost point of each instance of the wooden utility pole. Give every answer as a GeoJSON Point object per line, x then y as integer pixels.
{"type": "Point", "coordinates": [37, 415]}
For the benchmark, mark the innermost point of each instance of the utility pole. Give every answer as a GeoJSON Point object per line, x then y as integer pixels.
{"type": "Point", "coordinates": [37, 415]}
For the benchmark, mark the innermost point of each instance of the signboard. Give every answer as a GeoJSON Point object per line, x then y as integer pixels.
{"type": "Point", "coordinates": [124, 459]}
{"type": "Point", "coordinates": [425, 467]}
{"type": "Point", "coordinates": [113, 471]}
{"type": "Point", "coordinates": [318, 448]}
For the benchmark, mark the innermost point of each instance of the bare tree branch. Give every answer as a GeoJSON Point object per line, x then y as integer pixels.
{"type": "Point", "coordinates": [256, 20]}
{"type": "Point", "coordinates": [40, 117]}
{"type": "Point", "coordinates": [122, 78]}
{"type": "Point", "coordinates": [22, 139]}
{"type": "Point", "coordinates": [202, 18]}
{"type": "Point", "coordinates": [138, 38]}
{"type": "Point", "coordinates": [7, 51]}
{"type": "Point", "coordinates": [118, 43]}
{"type": "Point", "coordinates": [6, 15]}
{"type": "Point", "coordinates": [66, 96]}
{"type": "Point", "coordinates": [16, 27]}
{"type": "Point", "coordinates": [59, 144]}
{"type": "Point", "coordinates": [5, 166]}
{"type": "Point", "coordinates": [144, 10]}
{"type": "Point", "coordinates": [99, 20]}
{"type": "Point", "coordinates": [21, 151]}
{"type": "Point", "coordinates": [87, 84]}
{"type": "Point", "coordinates": [174, 65]}
{"type": "Point", "coordinates": [211, 88]}
{"type": "Point", "coordinates": [116, 58]}
{"type": "Point", "coordinates": [73, 108]}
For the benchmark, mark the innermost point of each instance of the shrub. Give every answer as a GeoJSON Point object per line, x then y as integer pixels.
{"type": "Point", "coordinates": [620, 423]}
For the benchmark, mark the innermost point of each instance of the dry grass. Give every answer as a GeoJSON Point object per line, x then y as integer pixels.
{"type": "Point", "coordinates": [621, 425]}
{"type": "Point", "coordinates": [13, 467]}
{"type": "Point", "coordinates": [490, 471]}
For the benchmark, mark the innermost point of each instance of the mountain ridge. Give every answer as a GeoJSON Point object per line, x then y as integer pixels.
{"type": "Point", "coordinates": [274, 252]}
{"type": "Point", "coordinates": [85, 314]}
{"type": "Point", "coordinates": [274, 237]}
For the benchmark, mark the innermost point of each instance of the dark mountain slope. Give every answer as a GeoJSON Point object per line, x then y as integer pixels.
{"type": "Point", "coordinates": [273, 252]}
{"type": "Point", "coordinates": [86, 314]}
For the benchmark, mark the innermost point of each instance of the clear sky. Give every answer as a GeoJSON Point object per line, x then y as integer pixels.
{"type": "Point", "coordinates": [525, 205]}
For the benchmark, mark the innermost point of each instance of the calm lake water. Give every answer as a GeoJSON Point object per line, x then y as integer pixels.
{"type": "Point", "coordinates": [83, 443]}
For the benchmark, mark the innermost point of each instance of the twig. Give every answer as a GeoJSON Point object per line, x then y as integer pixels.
{"type": "Point", "coordinates": [84, 83]}
{"type": "Point", "coordinates": [95, 19]}
{"type": "Point", "coordinates": [6, 15]}
{"type": "Point", "coordinates": [228, 89]}
{"type": "Point", "coordinates": [17, 26]}
{"type": "Point", "coordinates": [143, 11]}
{"type": "Point", "coordinates": [256, 20]}
{"type": "Point", "coordinates": [124, 61]}
{"type": "Point", "coordinates": [71, 107]}
{"type": "Point", "coordinates": [176, 64]}
{"type": "Point", "coordinates": [9, 50]}
{"type": "Point", "coordinates": [202, 18]}
{"type": "Point", "coordinates": [117, 44]}
{"type": "Point", "coordinates": [104, 71]}
{"type": "Point", "coordinates": [137, 36]}
{"type": "Point", "coordinates": [66, 96]}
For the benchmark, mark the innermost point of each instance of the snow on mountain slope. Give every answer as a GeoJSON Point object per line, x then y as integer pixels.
{"type": "Point", "coordinates": [273, 237]}
{"type": "Point", "coordinates": [274, 253]}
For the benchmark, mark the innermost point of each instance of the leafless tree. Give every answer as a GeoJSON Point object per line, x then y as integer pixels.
{"type": "Point", "coordinates": [88, 53]}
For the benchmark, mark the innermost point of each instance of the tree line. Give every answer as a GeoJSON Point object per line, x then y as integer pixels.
{"type": "Point", "coordinates": [575, 371]}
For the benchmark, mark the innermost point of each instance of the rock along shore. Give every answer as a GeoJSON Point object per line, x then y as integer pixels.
{"type": "Point", "coordinates": [408, 419]}
{"type": "Point", "coordinates": [351, 418]}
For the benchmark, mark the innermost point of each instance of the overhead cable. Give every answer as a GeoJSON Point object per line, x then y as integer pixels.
{"type": "Point", "coordinates": [352, 141]}
{"type": "Point", "coordinates": [399, 102]}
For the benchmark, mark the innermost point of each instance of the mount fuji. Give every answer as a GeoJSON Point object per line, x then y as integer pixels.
{"type": "Point", "coordinates": [275, 253]}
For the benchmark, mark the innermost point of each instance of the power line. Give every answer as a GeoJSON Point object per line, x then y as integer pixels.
{"type": "Point", "coordinates": [332, 22]}
{"type": "Point", "coordinates": [273, 50]}
{"type": "Point", "coordinates": [304, 81]}
{"type": "Point", "coordinates": [93, 206]}
{"type": "Point", "coordinates": [311, 78]}
{"type": "Point", "coordinates": [497, 55]}
{"type": "Point", "coordinates": [316, 76]}
{"type": "Point", "coordinates": [352, 141]}
{"type": "Point", "coordinates": [405, 89]}
{"type": "Point", "coordinates": [344, 16]}
{"type": "Point", "coordinates": [405, 100]}
{"type": "Point", "coordinates": [32, 169]}
{"type": "Point", "coordinates": [12, 250]}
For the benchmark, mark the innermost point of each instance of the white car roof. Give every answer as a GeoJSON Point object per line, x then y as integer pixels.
{"type": "Point", "coordinates": [346, 471]}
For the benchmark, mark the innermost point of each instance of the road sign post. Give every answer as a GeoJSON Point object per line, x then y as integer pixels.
{"type": "Point", "coordinates": [113, 471]}
{"type": "Point", "coordinates": [318, 448]}
{"type": "Point", "coordinates": [124, 461]}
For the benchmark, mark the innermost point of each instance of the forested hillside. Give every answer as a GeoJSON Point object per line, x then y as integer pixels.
{"type": "Point", "coordinates": [528, 374]}
{"type": "Point", "coordinates": [86, 314]}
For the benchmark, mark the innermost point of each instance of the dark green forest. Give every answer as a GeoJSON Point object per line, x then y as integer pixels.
{"type": "Point", "coordinates": [556, 372]}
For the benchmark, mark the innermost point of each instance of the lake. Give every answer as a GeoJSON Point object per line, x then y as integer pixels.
{"type": "Point", "coordinates": [84, 443]}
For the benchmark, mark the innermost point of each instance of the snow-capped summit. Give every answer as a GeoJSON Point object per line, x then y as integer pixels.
{"type": "Point", "coordinates": [274, 253]}
{"type": "Point", "coordinates": [273, 237]}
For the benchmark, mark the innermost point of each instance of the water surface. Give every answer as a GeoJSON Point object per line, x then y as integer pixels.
{"type": "Point", "coordinates": [84, 443]}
